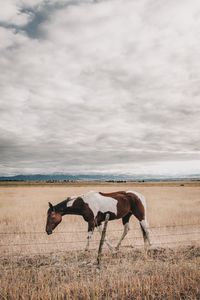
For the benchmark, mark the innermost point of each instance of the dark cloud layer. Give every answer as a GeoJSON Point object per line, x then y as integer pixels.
{"type": "Point", "coordinates": [100, 86]}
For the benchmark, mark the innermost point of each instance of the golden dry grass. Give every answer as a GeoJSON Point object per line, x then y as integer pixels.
{"type": "Point", "coordinates": [45, 268]}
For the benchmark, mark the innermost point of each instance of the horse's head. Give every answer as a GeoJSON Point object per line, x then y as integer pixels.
{"type": "Point", "coordinates": [53, 219]}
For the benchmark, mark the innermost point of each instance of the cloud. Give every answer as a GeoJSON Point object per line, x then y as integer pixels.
{"type": "Point", "coordinates": [92, 85]}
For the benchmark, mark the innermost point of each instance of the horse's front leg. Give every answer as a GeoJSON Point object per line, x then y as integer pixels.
{"type": "Point", "coordinates": [90, 232]}
{"type": "Point", "coordinates": [126, 229]}
{"type": "Point", "coordinates": [110, 246]}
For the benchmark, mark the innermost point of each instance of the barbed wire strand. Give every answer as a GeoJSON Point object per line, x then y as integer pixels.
{"type": "Point", "coordinates": [81, 231]}
{"type": "Point", "coordinates": [93, 241]}
{"type": "Point", "coordinates": [11, 255]}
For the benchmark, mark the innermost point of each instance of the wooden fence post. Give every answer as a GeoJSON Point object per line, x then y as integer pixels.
{"type": "Point", "coordinates": [102, 238]}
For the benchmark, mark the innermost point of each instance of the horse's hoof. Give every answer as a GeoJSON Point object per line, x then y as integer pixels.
{"type": "Point", "coordinates": [115, 250]}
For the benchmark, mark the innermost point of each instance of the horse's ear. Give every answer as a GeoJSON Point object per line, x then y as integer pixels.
{"type": "Point", "coordinates": [51, 206]}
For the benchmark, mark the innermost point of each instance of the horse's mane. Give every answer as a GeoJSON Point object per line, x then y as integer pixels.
{"type": "Point", "coordinates": [60, 206]}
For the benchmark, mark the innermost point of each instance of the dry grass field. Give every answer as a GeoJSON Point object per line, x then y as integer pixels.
{"type": "Point", "coordinates": [36, 266]}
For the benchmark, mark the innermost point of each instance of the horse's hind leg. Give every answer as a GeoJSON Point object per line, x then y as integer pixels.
{"type": "Point", "coordinates": [125, 221]}
{"type": "Point", "coordinates": [145, 232]}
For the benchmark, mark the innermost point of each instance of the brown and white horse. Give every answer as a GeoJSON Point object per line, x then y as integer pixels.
{"type": "Point", "coordinates": [94, 206]}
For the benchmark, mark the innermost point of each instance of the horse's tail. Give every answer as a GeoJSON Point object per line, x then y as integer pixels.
{"type": "Point", "coordinates": [144, 223]}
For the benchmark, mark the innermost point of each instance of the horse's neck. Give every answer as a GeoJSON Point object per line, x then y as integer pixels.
{"type": "Point", "coordinates": [63, 209]}
{"type": "Point", "coordinates": [72, 211]}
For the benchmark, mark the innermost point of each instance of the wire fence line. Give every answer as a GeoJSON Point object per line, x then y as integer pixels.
{"type": "Point", "coordinates": [112, 239]}
{"type": "Point", "coordinates": [83, 231]}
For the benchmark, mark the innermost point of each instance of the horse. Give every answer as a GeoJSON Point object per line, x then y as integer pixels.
{"type": "Point", "coordinates": [95, 206]}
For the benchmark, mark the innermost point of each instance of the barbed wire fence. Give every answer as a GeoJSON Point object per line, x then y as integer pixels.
{"type": "Point", "coordinates": [195, 233]}
{"type": "Point", "coordinates": [113, 230]}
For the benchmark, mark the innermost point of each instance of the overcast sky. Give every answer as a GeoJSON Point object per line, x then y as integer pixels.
{"type": "Point", "coordinates": [108, 86]}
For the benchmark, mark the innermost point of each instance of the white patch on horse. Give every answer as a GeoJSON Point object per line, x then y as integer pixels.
{"type": "Point", "coordinates": [98, 203]}
{"type": "Point", "coordinates": [140, 196]}
{"type": "Point", "coordinates": [71, 201]}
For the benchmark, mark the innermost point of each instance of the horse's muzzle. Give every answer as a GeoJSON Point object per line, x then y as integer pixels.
{"type": "Point", "coordinates": [49, 232]}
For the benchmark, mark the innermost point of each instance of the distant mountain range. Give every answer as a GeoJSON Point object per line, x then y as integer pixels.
{"type": "Point", "coordinates": [95, 177]}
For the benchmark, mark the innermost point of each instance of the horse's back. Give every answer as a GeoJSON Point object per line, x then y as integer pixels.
{"type": "Point", "coordinates": [100, 203]}
{"type": "Point", "coordinates": [112, 194]}
{"type": "Point", "coordinates": [119, 203]}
